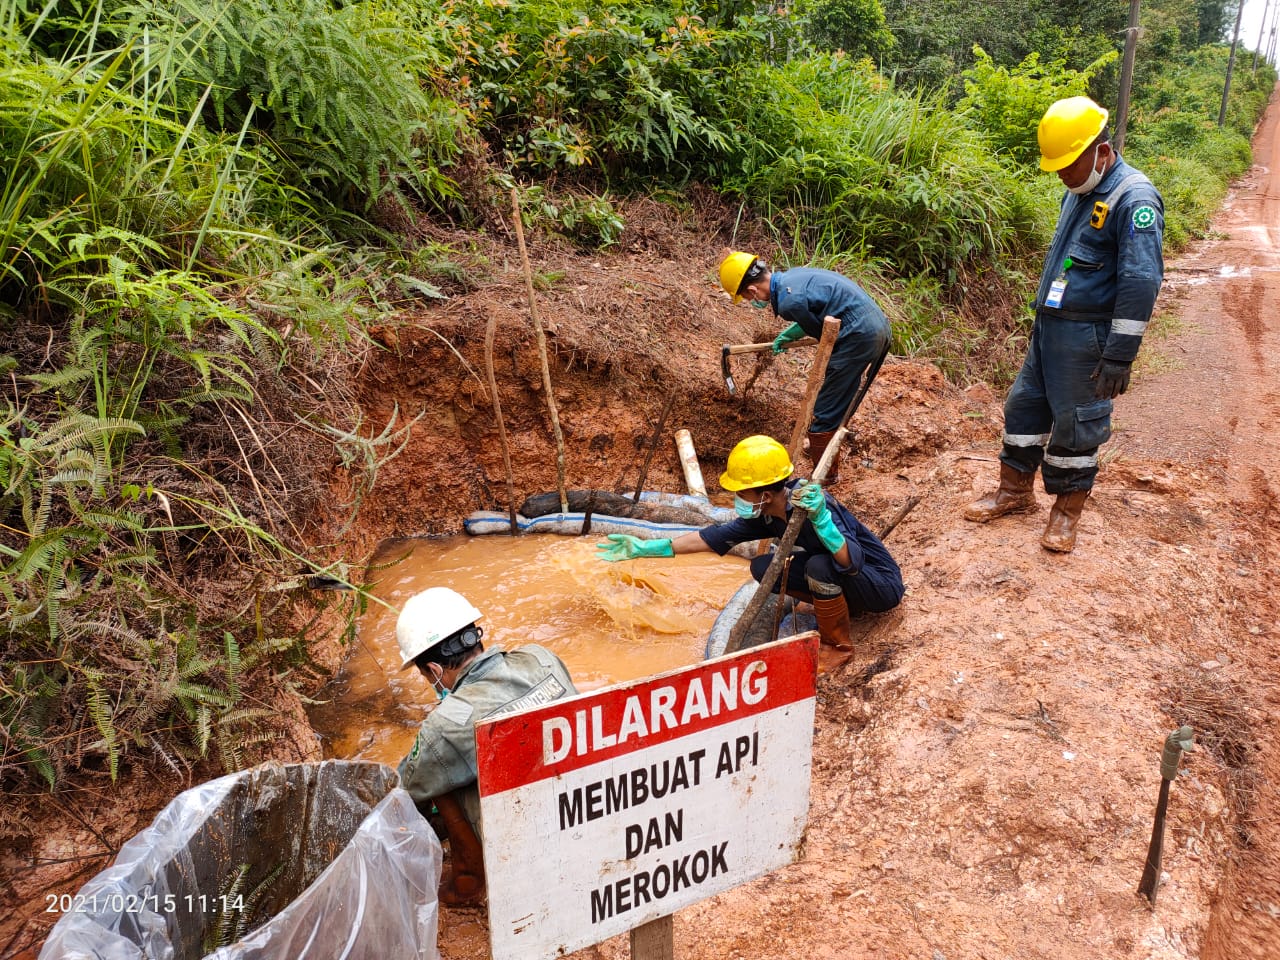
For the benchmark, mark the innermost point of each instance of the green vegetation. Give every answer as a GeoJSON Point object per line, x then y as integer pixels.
{"type": "Point", "coordinates": [201, 213]}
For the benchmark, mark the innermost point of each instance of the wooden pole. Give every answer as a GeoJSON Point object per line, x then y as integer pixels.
{"type": "Point", "coordinates": [1231, 64]}
{"type": "Point", "coordinates": [830, 330]}
{"type": "Point", "coordinates": [490, 330]}
{"type": "Point", "coordinates": [1126, 75]}
{"type": "Point", "coordinates": [654, 940]}
{"type": "Point", "coordinates": [787, 542]}
{"type": "Point", "coordinates": [1262, 32]}
{"type": "Point", "coordinates": [653, 445]}
{"type": "Point", "coordinates": [542, 353]}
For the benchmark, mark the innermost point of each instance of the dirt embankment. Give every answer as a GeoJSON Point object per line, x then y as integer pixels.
{"type": "Point", "coordinates": [986, 766]}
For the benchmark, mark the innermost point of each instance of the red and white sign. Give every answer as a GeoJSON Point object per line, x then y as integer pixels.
{"type": "Point", "coordinates": [611, 809]}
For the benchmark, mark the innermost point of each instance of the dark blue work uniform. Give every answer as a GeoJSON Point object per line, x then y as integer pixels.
{"type": "Point", "coordinates": [807, 296]}
{"type": "Point", "coordinates": [1112, 238]}
{"type": "Point", "coordinates": [871, 582]}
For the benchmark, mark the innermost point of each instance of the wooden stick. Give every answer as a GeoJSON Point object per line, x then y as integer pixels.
{"type": "Point", "coordinates": [787, 542]}
{"type": "Point", "coordinates": [542, 352]}
{"type": "Point", "coordinates": [490, 330]}
{"type": "Point", "coordinates": [897, 517]}
{"type": "Point", "coordinates": [653, 445]}
{"type": "Point", "coordinates": [818, 373]}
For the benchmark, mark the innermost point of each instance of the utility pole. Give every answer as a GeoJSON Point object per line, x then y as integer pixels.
{"type": "Point", "coordinates": [1271, 43]}
{"type": "Point", "coordinates": [1262, 32]}
{"type": "Point", "coordinates": [1231, 63]}
{"type": "Point", "coordinates": [1126, 74]}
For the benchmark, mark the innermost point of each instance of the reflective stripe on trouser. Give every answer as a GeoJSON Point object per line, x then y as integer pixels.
{"type": "Point", "coordinates": [865, 590]}
{"type": "Point", "coordinates": [853, 353]}
{"type": "Point", "coordinates": [1052, 404]}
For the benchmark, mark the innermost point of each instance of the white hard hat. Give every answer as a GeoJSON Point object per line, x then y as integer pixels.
{"type": "Point", "coordinates": [428, 618]}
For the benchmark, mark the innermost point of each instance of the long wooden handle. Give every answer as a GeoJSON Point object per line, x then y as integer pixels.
{"type": "Point", "coordinates": [818, 373]}
{"type": "Point", "coordinates": [798, 516]}
{"type": "Point", "coordinates": [733, 349]}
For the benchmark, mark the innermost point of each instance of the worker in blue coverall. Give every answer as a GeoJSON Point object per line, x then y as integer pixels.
{"type": "Point", "coordinates": [1098, 289]}
{"type": "Point", "coordinates": [805, 297]}
{"type": "Point", "coordinates": [837, 564]}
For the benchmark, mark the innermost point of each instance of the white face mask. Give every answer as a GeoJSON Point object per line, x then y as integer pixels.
{"type": "Point", "coordinates": [1091, 181]}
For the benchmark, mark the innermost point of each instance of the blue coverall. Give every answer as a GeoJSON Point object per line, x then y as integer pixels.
{"type": "Point", "coordinates": [806, 296]}
{"type": "Point", "coordinates": [1110, 243]}
{"type": "Point", "coordinates": [872, 581]}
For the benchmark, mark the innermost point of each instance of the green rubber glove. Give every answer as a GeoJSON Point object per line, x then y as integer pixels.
{"type": "Point", "coordinates": [793, 332]}
{"type": "Point", "coordinates": [624, 547]}
{"type": "Point", "coordinates": [811, 497]}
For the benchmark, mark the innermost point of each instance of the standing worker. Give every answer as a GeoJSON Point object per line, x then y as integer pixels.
{"type": "Point", "coordinates": [438, 634]}
{"type": "Point", "coordinates": [805, 297]}
{"type": "Point", "coordinates": [1096, 294]}
{"type": "Point", "coordinates": [838, 565]}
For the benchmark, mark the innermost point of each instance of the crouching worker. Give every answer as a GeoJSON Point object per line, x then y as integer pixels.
{"type": "Point", "coordinates": [438, 635]}
{"type": "Point", "coordinates": [838, 565]}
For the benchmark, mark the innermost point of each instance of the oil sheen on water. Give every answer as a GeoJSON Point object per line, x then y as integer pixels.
{"type": "Point", "coordinates": [609, 622]}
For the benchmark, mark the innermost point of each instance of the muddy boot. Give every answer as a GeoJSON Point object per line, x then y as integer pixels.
{"type": "Point", "coordinates": [1014, 495]}
{"type": "Point", "coordinates": [818, 443]}
{"type": "Point", "coordinates": [463, 879]}
{"type": "Point", "coordinates": [833, 621]}
{"type": "Point", "coordinates": [1060, 531]}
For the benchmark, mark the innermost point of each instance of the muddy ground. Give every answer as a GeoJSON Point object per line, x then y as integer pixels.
{"type": "Point", "coordinates": [986, 765]}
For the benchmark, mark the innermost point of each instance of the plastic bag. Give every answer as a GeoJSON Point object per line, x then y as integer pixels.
{"type": "Point", "coordinates": [317, 860]}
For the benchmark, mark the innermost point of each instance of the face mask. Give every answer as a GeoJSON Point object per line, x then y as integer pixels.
{"type": "Point", "coordinates": [438, 686]}
{"type": "Point", "coordinates": [1095, 176]}
{"type": "Point", "coordinates": [759, 304]}
{"type": "Point", "coordinates": [747, 511]}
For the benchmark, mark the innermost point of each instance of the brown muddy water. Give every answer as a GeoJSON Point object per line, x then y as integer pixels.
{"type": "Point", "coordinates": [609, 623]}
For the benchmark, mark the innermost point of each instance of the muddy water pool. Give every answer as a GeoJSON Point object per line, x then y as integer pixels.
{"type": "Point", "coordinates": [609, 622]}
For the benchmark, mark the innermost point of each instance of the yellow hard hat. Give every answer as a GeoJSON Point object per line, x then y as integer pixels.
{"type": "Point", "coordinates": [732, 269]}
{"type": "Point", "coordinates": [756, 462]}
{"type": "Point", "coordinates": [1066, 129]}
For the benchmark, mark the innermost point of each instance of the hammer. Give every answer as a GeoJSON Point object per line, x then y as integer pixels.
{"type": "Point", "coordinates": [730, 349]}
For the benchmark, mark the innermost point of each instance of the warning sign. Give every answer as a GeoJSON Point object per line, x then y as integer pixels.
{"type": "Point", "coordinates": [611, 809]}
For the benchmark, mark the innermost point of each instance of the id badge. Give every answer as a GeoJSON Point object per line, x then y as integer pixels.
{"type": "Point", "coordinates": [1056, 291]}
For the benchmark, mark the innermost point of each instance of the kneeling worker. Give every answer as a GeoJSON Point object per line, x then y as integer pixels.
{"type": "Point", "coordinates": [837, 564]}
{"type": "Point", "coordinates": [438, 634]}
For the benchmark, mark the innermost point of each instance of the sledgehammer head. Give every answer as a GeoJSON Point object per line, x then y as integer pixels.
{"type": "Point", "coordinates": [724, 368]}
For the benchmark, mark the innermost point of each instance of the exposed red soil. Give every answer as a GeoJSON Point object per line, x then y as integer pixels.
{"type": "Point", "coordinates": [986, 765]}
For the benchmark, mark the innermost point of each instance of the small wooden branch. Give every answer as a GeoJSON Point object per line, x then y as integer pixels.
{"type": "Point", "coordinates": [542, 352]}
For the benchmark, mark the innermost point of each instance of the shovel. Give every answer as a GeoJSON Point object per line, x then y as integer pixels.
{"type": "Point", "coordinates": [732, 349]}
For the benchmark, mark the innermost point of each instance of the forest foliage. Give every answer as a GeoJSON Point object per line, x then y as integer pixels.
{"type": "Point", "coordinates": [199, 223]}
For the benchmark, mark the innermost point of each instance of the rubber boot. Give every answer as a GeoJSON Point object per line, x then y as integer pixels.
{"type": "Point", "coordinates": [463, 880]}
{"type": "Point", "coordinates": [1014, 495]}
{"type": "Point", "coordinates": [818, 443]}
{"type": "Point", "coordinates": [1060, 531]}
{"type": "Point", "coordinates": [833, 621]}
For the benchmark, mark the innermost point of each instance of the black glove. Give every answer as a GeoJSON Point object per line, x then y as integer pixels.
{"type": "Point", "coordinates": [1112, 377]}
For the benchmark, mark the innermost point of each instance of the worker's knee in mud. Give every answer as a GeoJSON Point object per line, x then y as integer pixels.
{"type": "Point", "coordinates": [821, 576]}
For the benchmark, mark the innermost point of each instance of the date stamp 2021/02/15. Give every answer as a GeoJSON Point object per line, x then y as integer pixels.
{"type": "Point", "coordinates": [143, 903]}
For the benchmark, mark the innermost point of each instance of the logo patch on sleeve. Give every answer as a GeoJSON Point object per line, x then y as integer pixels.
{"type": "Point", "coordinates": [1144, 217]}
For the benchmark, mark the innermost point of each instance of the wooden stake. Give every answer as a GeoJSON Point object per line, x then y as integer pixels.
{"type": "Point", "coordinates": [653, 445]}
{"type": "Point", "coordinates": [542, 352]}
{"type": "Point", "coordinates": [654, 940]}
{"type": "Point", "coordinates": [830, 330]}
{"type": "Point", "coordinates": [489, 332]}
